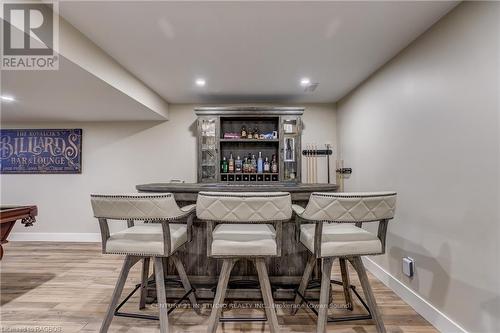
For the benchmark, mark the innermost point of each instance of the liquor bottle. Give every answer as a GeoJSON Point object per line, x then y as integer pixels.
{"type": "Point", "coordinates": [256, 133]}
{"type": "Point", "coordinates": [230, 167]}
{"type": "Point", "coordinates": [289, 153]}
{"type": "Point", "coordinates": [254, 164]}
{"type": "Point", "coordinates": [260, 164]}
{"type": "Point", "coordinates": [243, 132]}
{"type": "Point", "coordinates": [224, 165]}
{"type": "Point", "coordinates": [247, 165]}
{"type": "Point", "coordinates": [238, 165]}
{"type": "Point", "coordinates": [274, 165]}
{"type": "Point", "coordinates": [267, 165]}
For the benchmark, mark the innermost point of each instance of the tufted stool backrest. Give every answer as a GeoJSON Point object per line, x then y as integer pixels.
{"type": "Point", "coordinates": [135, 206]}
{"type": "Point", "coordinates": [351, 207]}
{"type": "Point", "coordinates": [244, 206]}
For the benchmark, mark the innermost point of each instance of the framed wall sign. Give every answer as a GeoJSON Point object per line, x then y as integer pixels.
{"type": "Point", "coordinates": [40, 151]}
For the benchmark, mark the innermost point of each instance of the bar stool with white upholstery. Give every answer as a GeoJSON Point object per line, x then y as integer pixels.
{"type": "Point", "coordinates": [249, 226]}
{"type": "Point", "coordinates": [330, 227]}
{"type": "Point", "coordinates": [164, 232]}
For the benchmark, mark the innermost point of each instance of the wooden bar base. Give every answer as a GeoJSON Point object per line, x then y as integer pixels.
{"type": "Point", "coordinates": [284, 272]}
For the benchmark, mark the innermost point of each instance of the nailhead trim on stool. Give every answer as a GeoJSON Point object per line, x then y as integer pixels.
{"type": "Point", "coordinates": [245, 231]}
{"type": "Point", "coordinates": [326, 241]}
{"type": "Point", "coordinates": [159, 238]}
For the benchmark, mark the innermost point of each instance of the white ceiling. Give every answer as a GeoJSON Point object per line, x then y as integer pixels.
{"type": "Point", "coordinates": [252, 51]}
{"type": "Point", "coordinates": [67, 94]}
{"type": "Point", "coordinates": [248, 52]}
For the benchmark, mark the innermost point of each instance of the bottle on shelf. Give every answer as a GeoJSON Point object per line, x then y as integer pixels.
{"type": "Point", "coordinates": [267, 165]}
{"type": "Point", "coordinates": [254, 164]}
{"type": "Point", "coordinates": [289, 152]}
{"type": "Point", "coordinates": [244, 168]}
{"type": "Point", "coordinates": [256, 133]}
{"type": "Point", "coordinates": [238, 165]}
{"type": "Point", "coordinates": [243, 132]}
{"type": "Point", "coordinates": [260, 164]}
{"type": "Point", "coordinates": [249, 163]}
{"type": "Point", "coordinates": [230, 167]}
{"type": "Point", "coordinates": [274, 165]}
{"type": "Point", "coordinates": [224, 165]}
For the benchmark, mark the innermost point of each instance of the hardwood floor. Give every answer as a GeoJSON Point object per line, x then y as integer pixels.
{"type": "Point", "coordinates": [65, 287]}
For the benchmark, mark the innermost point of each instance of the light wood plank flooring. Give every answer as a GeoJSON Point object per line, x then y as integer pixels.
{"type": "Point", "coordinates": [65, 287]}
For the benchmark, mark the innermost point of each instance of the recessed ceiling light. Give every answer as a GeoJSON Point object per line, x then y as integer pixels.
{"type": "Point", "coordinates": [200, 82]}
{"type": "Point", "coordinates": [7, 98]}
{"type": "Point", "coordinates": [304, 82]}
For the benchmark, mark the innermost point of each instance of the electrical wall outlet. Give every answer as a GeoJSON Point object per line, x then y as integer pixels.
{"type": "Point", "coordinates": [408, 266]}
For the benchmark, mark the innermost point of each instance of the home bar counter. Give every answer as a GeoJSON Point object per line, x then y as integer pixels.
{"type": "Point", "coordinates": [187, 192]}
{"type": "Point", "coordinates": [284, 272]}
{"type": "Point", "coordinates": [229, 141]}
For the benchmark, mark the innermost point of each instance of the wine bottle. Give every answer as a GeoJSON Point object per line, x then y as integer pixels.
{"type": "Point", "coordinates": [254, 164]}
{"type": "Point", "coordinates": [289, 150]}
{"type": "Point", "coordinates": [274, 165]}
{"type": "Point", "coordinates": [245, 165]}
{"type": "Point", "coordinates": [260, 166]}
{"type": "Point", "coordinates": [243, 132]}
{"type": "Point", "coordinates": [247, 159]}
{"type": "Point", "coordinates": [267, 166]}
{"type": "Point", "coordinates": [238, 165]}
{"type": "Point", "coordinates": [224, 165]}
{"type": "Point", "coordinates": [256, 133]}
{"type": "Point", "coordinates": [231, 163]}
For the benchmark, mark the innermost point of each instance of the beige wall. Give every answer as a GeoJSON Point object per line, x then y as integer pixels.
{"type": "Point", "coordinates": [427, 126]}
{"type": "Point", "coordinates": [117, 156]}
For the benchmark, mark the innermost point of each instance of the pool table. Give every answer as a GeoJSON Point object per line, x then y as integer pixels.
{"type": "Point", "coordinates": [8, 217]}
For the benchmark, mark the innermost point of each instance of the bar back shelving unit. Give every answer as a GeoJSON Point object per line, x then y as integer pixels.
{"type": "Point", "coordinates": [284, 123]}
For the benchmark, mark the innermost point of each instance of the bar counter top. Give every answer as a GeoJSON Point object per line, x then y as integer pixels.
{"type": "Point", "coordinates": [188, 191]}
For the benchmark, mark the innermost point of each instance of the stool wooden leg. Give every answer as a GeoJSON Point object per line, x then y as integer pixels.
{"type": "Point", "coordinates": [161, 294]}
{"type": "Point", "coordinates": [267, 295]}
{"type": "Point", "coordinates": [144, 282]}
{"type": "Point", "coordinates": [311, 261]}
{"type": "Point", "coordinates": [185, 282]}
{"type": "Point", "coordinates": [127, 264]}
{"type": "Point", "coordinates": [213, 321]}
{"type": "Point", "coordinates": [324, 296]}
{"type": "Point", "coordinates": [346, 283]}
{"type": "Point", "coordinates": [370, 298]}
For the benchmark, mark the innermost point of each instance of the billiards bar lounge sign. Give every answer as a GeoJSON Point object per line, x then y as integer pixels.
{"type": "Point", "coordinates": [40, 151]}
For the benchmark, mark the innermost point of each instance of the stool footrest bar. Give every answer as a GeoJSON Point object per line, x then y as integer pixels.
{"type": "Point", "coordinates": [241, 319]}
{"type": "Point", "coordinates": [331, 319]}
{"type": "Point", "coordinates": [118, 313]}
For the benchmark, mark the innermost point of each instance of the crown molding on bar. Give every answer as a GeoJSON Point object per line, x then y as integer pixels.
{"type": "Point", "coordinates": [248, 110]}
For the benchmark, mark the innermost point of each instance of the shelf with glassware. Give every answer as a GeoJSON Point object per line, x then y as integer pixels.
{"type": "Point", "coordinates": [255, 145]}
{"type": "Point", "coordinates": [291, 147]}
{"type": "Point", "coordinates": [207, 152]}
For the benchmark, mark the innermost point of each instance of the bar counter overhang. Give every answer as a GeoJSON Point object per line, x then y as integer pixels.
{"type": "Point", "coordinates": [285, 272]}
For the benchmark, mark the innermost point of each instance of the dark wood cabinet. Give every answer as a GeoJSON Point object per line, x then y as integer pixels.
{"type": "Point", "coordinates": [219, 136]}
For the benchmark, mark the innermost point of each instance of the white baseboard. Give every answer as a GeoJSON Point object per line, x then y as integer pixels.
{"type": "Point", "coordinates": [55, 237]}
{"type": "Point", "coordinates": [437, 318]}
